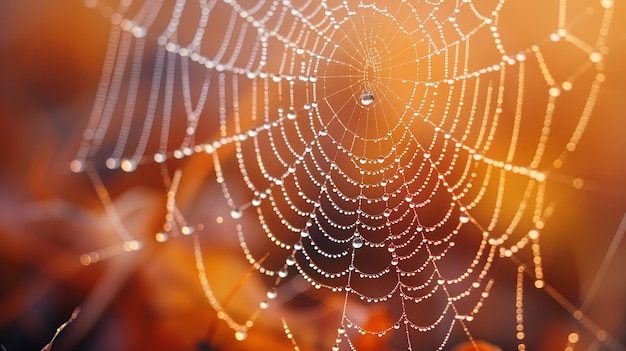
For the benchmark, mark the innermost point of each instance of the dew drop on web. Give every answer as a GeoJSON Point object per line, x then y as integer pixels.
{"type": "Point", "coordinates": [292, 115]}
{"type": "Point", "coordinates": [357, 242]}
{"type": "Point", "coordinates": [367, 99]}
{"type": "Point", "coordinates": [464, 218]}
{"type": "Point", "coordinates": [272, 293]}
{"type": "Point", "coordinates": [241, 335]}
{"type": "Point", "coordinates": [236, 213]}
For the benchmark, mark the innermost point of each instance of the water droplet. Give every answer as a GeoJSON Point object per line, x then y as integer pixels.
{"type": "Point", "coordinates": [367, 99]}
{"type": "Point", "coordinates": [292, 115]}
{"type": "Point", "coordinates": [555, 37]}
{"type": "Point", "coordinates": [159, 157]}
{"type": "Point", "coordinates": [132, 245]}
{"type": "Point", "coordinates": [256, 202]}
{"type": "Point", "coordinates": [161, 236]}
{"type": "Point", "coordinates": [464, 218]}
{"type": "Point", "coordinates": [139, 31]}
{"type": "Point", "coordinates": [129, 165]}
{"type": "Point", "coordinates": [567, 85]}
{"type": "Point", "coordinates": [85, 259]}
{"type": "Point", "coordinates": [272, 293]}
{"type": "Point", "coordinates": [241, 335]}
{"type": "Point", "coordinates": [441, 281]}
{"type": "Point", "coordinates": [126, 24]}
{"type": "Point", "coordinates": [290, 261]}
{"type": "Point", "coordinates": [607, 4]}
{"type": "Point", "coordinates": [394, 261]}
{"type": "Point", "coordinates": [264, 305]}
{"type": "Point", "coordinates": [283, 273]}
{"type": "Point", "coordinates": [357, 242]}
{"type": "Point", "coordinates": [381, 159]}
{"type": "Point", "coordinates": [595, 57]}
{"type": "Point", "coordinates": [77, 166]}
{"type": "Point", "coordinates": [554, 91]}
{"type": "Point", "coordinates": [112, 163]}
{"type": "Point", "coordinates": [251, 133]}
{"type": "Point", "coordinates": [236, 213]}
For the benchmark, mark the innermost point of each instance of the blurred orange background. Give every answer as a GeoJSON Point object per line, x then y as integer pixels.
{"type": "Point", "coordinates": [50, 59]}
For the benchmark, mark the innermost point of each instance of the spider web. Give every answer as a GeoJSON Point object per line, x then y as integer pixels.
{"type": "Point", "coordinates": [389, 154]}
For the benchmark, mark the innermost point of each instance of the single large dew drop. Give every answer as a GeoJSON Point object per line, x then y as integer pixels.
{"type": "Point", "coordinates": [367, 99]}
{"type": "Point", "coordinates": [236, 213]}
{"type": "Point", "coordinates": [357, 242]}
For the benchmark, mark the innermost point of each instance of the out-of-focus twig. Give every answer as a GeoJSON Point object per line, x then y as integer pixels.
{"type": "Point", "coordinates": [74, 315]}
